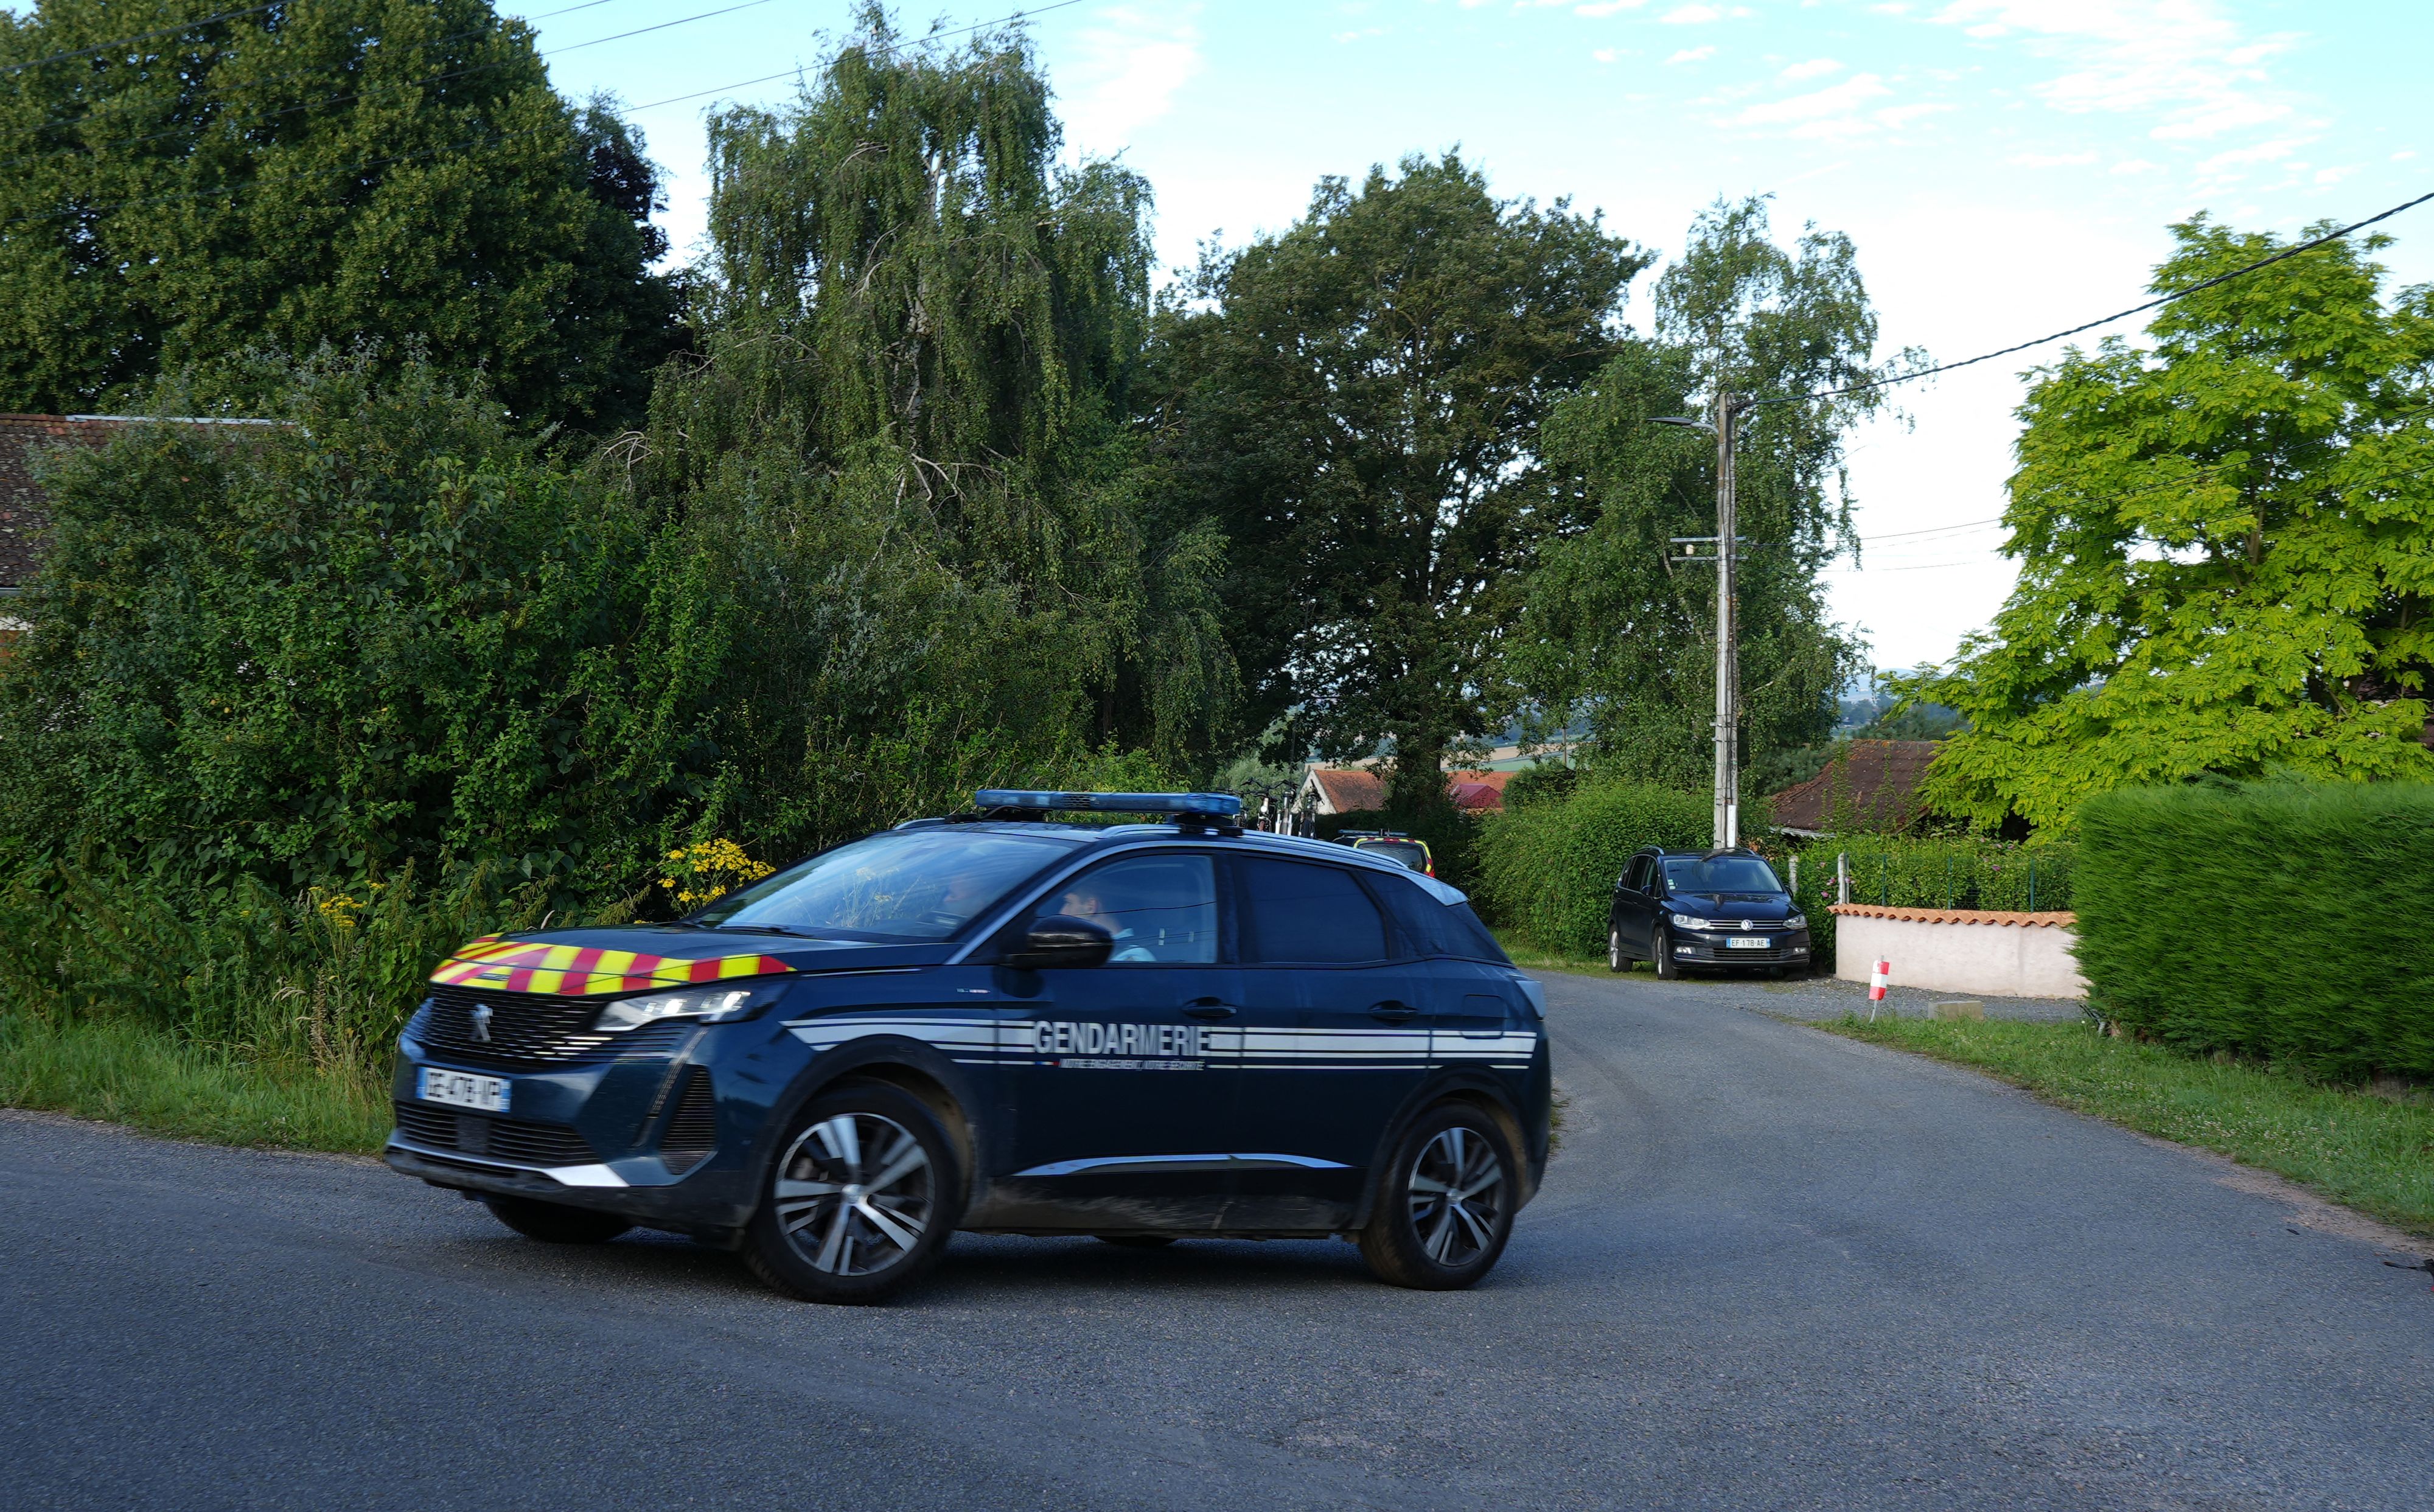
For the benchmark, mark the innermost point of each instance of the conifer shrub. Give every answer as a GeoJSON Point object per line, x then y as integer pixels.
{"type": "Point", "coordinates": [2283, 922]}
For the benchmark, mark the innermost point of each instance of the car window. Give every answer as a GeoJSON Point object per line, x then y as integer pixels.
{"type": "Point", "coordinates": [1636, 880]}
{"type": "Point", "coordinates": [1720, 874]}
{"type": "Point", "coordinates": [1295, 914]}
{"type": "Point", "coordinates": [897, 885]}
{"type": "Point", "coordinates": [1403, 852]}
{"type": "Point", "coordinates": [1161, 908]}
{"type": "Point", "coordinates": [1440, 929]}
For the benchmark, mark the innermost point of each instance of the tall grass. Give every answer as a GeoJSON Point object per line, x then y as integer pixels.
{"type": "Point", "coordinates": [320, 979]}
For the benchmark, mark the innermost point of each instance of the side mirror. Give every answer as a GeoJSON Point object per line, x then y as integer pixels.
{"type": "Point", "coordinates": [1060, 940]}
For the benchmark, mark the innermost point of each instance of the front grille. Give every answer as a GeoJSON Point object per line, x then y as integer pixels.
{"type": "Point", "coordinates": [1726, 953]}
{"type": "Point", "coordinates": [503, 1138]}
{"type": "Point", "coordinates": [530, 1030]}
{"type": "Point", "coordinates": [692, 1132]}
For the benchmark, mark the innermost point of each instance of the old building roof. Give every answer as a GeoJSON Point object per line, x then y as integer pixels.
{"type": "Point", "coordinates": [1871, 784]}
{"type": "Point", "coordinates": [23, 522]}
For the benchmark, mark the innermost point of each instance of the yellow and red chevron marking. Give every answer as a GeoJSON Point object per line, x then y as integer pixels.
{"type": "Point", "coordinates": [580, 970]}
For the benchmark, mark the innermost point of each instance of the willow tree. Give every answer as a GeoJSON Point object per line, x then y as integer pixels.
{"type": "Point", "coordinates": [321, 171]}
{"type": "Point", "coordinates": [906, 432]}
{"type": "Point", "coordinates": [1619, 635]}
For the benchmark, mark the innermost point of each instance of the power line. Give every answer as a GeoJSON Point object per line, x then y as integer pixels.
{"type": "Point", "coordinates": [493, 140]}
{"type": "Point", "coordinates": [227, 15]}
{"type": "Point", "coordinates": [1936, 530]}
{"type": "Point", "coordinates": [2122, 315]}
{"type": "Point", "coordinates": [409, 86]}
{"type": "Point", "coordinates": [141, 36]}
{"type": "Point", "coordinates": [766, 79]}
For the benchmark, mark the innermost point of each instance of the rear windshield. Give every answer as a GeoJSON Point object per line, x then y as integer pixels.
{"type": "Point", "coordinates": [904, 885]}
{"type": "Point", "coordinates": [1405, 851]}
{"type": "Point", "coordinates": [1720, 874]}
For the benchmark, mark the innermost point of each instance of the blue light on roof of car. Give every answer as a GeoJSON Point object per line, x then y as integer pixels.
{"type": "Point", "coordinates": [1224, 804]}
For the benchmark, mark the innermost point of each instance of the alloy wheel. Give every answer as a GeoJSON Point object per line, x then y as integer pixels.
{"type": "Point", "coordinates": [854, 1193]}
{"type": "Point", "coordinates": [1614, 961]}
{"type": "Point", "coordinates": [1457, 1196]}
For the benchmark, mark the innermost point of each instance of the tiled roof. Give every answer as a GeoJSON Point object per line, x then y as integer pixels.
{"type": "Point", "coordinates": [1955, 916]}
{"type": "Point", "coordinates": [1347, 789]}
{"type": "Point", "coordinates": [1879, 779]}
{"type": "Point", "coordinates": [23, 524]}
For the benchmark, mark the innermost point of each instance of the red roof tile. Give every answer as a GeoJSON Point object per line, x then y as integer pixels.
{"type": "Point", "coordinates": [23, 524]}
{"type": "Point", "coordinates": [1874, 782]}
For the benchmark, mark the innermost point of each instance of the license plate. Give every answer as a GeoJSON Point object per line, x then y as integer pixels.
{"type": "Point", "coordinates": [462, 1089]}
{"type": "Point", "coordinates": [1742, 942]}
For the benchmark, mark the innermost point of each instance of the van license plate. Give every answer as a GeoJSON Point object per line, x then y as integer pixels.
{"type": "Point", "coordinates": [462, 1089]}
{"type": "Point", "coordinates": [1742, 942]}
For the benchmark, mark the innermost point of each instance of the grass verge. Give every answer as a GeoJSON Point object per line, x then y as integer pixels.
{"type": "Point", "coordinates": [144, 1077]}
{"type": "Point", "coordinates": [1529, 958]}
{"type": "Point", "coordinates": [2362, 1149]}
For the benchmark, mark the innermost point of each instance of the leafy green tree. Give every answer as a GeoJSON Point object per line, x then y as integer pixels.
{"type": "Point", "coordinates": [1623, 637]}
{"type": "Point", "coordinates": [397, 172]}
{"type": "Point", "coordinates": [384, 632]}
{"type": "Point", "coordinates": [1355, 403]}
{"type": "Point", "coordinates": [2223, 548]}
{"type": "Point", "coordinates": [906, 442]}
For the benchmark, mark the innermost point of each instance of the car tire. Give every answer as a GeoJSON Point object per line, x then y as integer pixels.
{"type": "Point", "coordinates": [1615, 960]}
{"type": "Point", "coordinates": [553, 1223]}
{"type": "Point", "coordinates": [1661, 944]}
{"type": "Point", "coordinates": [1444, 1202]}
{"type": "Point", "coordinates": [1136, 1241]}
{"type": "Point", "coordinates": [861, 1199]}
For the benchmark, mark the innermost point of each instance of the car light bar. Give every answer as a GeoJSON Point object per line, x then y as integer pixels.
{"type": "Point", "coordinates": [1222, 805]}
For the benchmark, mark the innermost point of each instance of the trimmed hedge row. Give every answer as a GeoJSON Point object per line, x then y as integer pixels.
{"type": "Point", "coordinates": [1547, 872]}
{"type": "Point", "coordinates": [2290, 923]}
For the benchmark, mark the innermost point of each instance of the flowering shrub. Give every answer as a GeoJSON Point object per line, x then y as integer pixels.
{"type": "Point", "coordinates": [699, 872]}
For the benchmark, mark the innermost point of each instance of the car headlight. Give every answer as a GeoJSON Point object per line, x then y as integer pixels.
{"type": "Point", "coordinates": [1796, 921]}
{"type": "Point", "coordinates": [709, 1006]}
{"type": "Point", "coordinates": [1686, 921]}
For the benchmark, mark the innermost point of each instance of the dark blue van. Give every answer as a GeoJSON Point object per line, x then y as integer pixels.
{"type": "Point", "coordinates": [1144, 1031]}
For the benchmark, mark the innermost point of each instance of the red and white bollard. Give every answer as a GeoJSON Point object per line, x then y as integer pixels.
{"type": "Point", "coordinates": [1878, 981]}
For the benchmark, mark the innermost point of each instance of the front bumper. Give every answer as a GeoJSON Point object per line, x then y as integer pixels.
{"type": "Point", "coordinates": [610, 1115]}
{"type": "Point", "coordinates": [1716, 948]}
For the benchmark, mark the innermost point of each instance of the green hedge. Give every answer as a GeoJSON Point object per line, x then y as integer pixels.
{"type": "Point", "coordinates": [1547, 872]}
{"type": "Point", "coordinates": [2282, 921]}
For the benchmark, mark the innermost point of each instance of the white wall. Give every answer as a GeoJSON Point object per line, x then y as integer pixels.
{"type": "Point", "coordinates": [1942, 955]}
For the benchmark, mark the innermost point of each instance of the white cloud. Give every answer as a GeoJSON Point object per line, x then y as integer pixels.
{"type": "Point", "coordinates": [2131, 165]}
{"type": "Point", "coordinates": [1128, 65]}
{"type": "Point", "coordinates": [1814, 68]}
{"type": "Point", "coordinates": [1833, 102]}
{"type": "Point", "coordinates": [2051, 159]}
{"type": "Point", "coordinates": [2404, 155]}
{"type": "Point", "coordinates": [1605, 55]}
{"type": "Point", "coordinates": [1693, 14]}
{"type": "Point", "coordinates": [1608, 8]}
{"type": "Point", "coordinates": [2183, 62]}
{"type": "Point", "coordinates": [1692, 55]}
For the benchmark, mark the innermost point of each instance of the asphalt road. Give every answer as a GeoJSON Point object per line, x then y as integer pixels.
{"type": "Point", "coordinates": [1771, 1268]}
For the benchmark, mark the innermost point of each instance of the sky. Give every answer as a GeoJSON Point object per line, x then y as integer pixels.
{"type": "Point", "coordinates": [2005, 168]}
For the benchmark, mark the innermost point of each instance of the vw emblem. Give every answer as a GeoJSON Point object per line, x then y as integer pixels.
{"type": "Point", "coordinates": [1749, 923]}
{"type": "Point", "coordinates": [482, 1021]}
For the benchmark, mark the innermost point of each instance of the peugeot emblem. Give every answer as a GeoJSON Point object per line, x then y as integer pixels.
{"type": "Point", "coordinates": [482, 1021]}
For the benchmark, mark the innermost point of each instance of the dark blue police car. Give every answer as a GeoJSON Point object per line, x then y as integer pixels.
{"type": "Point", "coordinates": [996, 1022]}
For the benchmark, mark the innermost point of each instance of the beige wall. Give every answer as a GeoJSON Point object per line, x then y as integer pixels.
{"type": "Point", "coordinates": [1945, 955]}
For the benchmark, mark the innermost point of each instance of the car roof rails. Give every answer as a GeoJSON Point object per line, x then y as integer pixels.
{"type": "Point", "coordinates": [1217, 812]}
{"type": "Point", "coordinates": [1373, 835]}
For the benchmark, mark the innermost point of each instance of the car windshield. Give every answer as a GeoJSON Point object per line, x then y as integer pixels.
{"type": "Point", "coordinates": [903, 884]}
{"type": "Point", "coordinates": [1720, 874]}
{"type": "Point", "coordinates": [1410, 854]}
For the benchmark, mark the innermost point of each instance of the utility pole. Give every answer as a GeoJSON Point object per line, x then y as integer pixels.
{"type": "Point", "coordinates": [1728, 671]}
{"type": "Point", "coordinates": [1724, 428]}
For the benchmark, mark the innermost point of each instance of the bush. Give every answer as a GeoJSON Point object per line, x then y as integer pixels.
{"type": "Point", "coordinates": [2282, 921]}
{"type": "Point", "coordinates": [1547, 872]}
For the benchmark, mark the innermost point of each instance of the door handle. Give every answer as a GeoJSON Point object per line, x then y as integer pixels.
{"type": "Point", "coordinates": [1210, 1009]}
{"type": "Point", "coordinates": [1392, 1010]}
